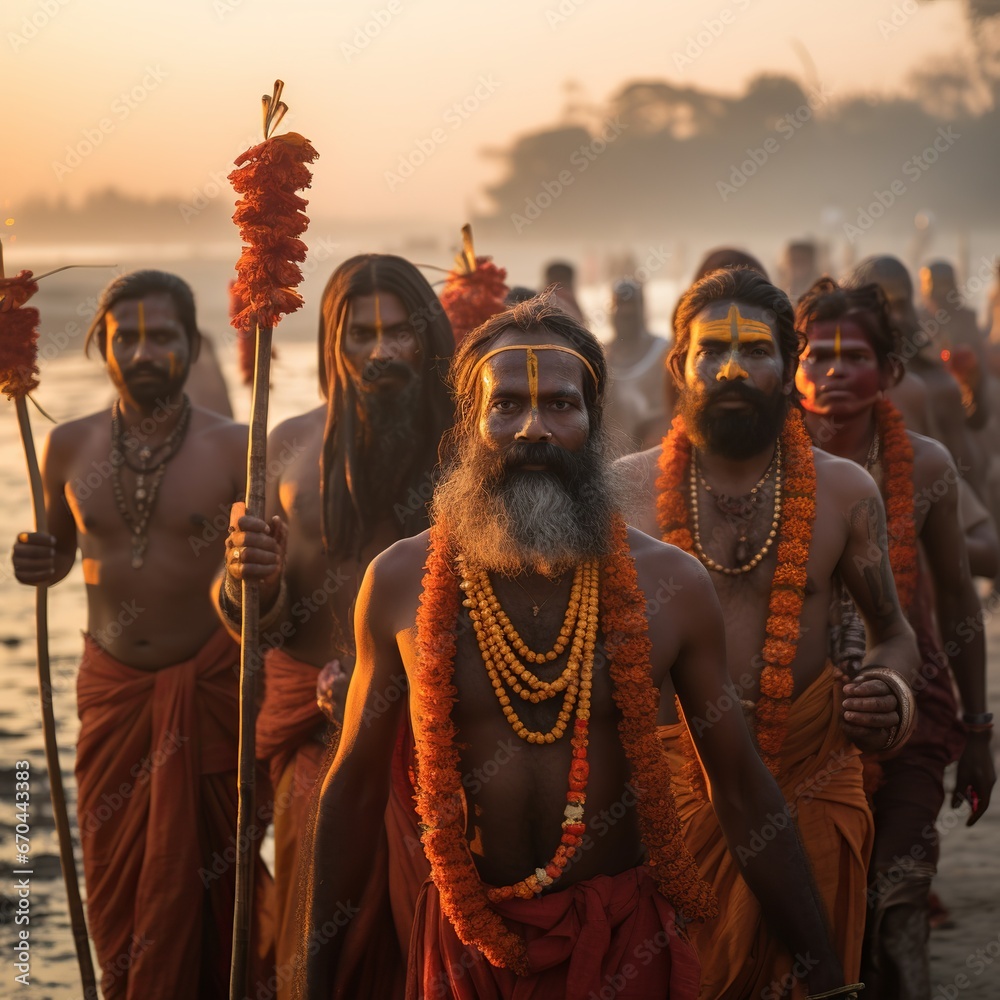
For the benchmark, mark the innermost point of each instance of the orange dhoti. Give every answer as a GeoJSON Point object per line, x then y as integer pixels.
{"type": "Point", "coordinates": [609, 936]}
{"type": "Point", "coordinates": [377, 937]}
{"type": "Point", "coordinates": [291, 742]}
{"type": "Point", "coordinates": [821, 779]}
{"type": "Point", "coordinates": [157, 801]}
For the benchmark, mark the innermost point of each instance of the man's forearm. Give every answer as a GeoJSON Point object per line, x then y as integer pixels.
{"type": "Point", "coordinates": [964, 639]}
{"type": "Point", "coordinates": [340, 858]}
{"type": "Point", "coordinates": [897, 652]}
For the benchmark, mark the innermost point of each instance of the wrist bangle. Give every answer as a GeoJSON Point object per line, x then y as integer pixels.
{"type": "Point", "coordinates": [841, 991]}
{"type": "Point", "coordinates": [973, 729]}
{"type": "Point", "coordinates": [905, 703]}
{"type": "Point", "coordinates": [977, 718]}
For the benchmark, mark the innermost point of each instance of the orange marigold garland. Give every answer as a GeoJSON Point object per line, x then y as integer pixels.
{"type": "Point", "coordinates": [474, 291]}
{"type": "Point", "coordinates": [897, 452]}
{"type": "Point", "coordinates": [789, 580]}
{"type": "Point", "coordinates": [270, 217]}
{"type": "Point", "coordinates": [628, 646]}
{"type": "Point", "coordinates": [18, 336]}
{"type": "Point", "coordinates": [440, 798]}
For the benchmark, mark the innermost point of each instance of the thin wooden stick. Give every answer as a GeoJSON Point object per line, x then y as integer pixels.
{"type": "Point", "coordinates": [250, 660]}
{"type": "Point", "coordinates": [77, 920]}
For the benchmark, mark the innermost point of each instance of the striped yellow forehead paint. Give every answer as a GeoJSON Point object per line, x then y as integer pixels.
{"type": "Point", "coordinates": [532, 349]}
{"type": "Point", "coordinates": [836, 343]}
{"type": "Point", "coordinates": [740, 330]}
{"type": "Point", "coordinates": [142, 323]}
{"type": "Point", "coordinates": [531, 360]}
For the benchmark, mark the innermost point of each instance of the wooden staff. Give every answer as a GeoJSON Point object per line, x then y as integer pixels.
{"type": "Point", "coordinates": [78, 921]}
{"type": "Point", "coordinates": [275, 170]}
{"type": "Point", "coordinates": [250, 660]}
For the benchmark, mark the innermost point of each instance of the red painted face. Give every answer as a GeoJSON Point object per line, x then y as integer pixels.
{"type": "Point", "coordinates": [838, 371]}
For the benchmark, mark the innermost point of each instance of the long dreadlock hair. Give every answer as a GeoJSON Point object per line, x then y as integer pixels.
{"type": "Point", "coordinates": [348, 516]}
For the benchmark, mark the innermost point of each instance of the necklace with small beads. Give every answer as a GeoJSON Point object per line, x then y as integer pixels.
{"type": "Point", "coordinates": [500, 646]}
{"type": "Point", "coordinates": [741, 551]}
{"type": "Point", "coordinates": [149, 465]}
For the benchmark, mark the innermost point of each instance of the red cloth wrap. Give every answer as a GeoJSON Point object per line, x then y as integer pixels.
{"type": "Point", "coordinates": [606, 936]}
{"type": "Point", "coordinates": [157, 801]}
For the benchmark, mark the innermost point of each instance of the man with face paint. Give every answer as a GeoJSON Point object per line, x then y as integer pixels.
{"type": "Point", "coordinates": [846, 364]}
{"type": "Point", "coordinates": [526, 528]}
{"type": "Point", "coordinates": [737, 483]}
{"type": "Point", "coordinates": [137, 490]}
{"type": "Point", "coordinates": [348, 478]}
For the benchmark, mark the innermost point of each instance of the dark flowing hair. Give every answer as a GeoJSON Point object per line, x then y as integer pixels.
{"type": "Point", "coordinates": [348, 516]}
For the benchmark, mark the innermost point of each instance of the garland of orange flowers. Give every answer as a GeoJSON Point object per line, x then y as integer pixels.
{"type": "Point", "coordinates": [787, 585]}
{"type": "Point", "coordinates": [901, 527]}
{"type": "Point", "coordinates": [18, 335]}
{"type": "Point", "coordinates": [440, 799]}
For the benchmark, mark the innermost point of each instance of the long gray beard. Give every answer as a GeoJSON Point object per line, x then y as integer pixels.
{"type": "Point", "coordinates": [510, 521]}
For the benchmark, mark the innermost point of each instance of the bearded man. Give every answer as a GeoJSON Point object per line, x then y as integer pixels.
{"type": "Point", "coordinates": [848, 350]}
{"type": "Point", "coordinates": [737, 483]}
{"type": "Point", "coordinates": [520, 624]}
{"type": "Point", "coordinates": [158, 689]}
{"type": "Point", "coordinates": [355, 472]}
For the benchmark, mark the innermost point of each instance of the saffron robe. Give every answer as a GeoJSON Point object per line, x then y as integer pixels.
{"type": "Point", "coordinates": [606, 936]}
{"type": "Point", "coordinates": [290, 744]}
{"type": "Point", "coordinates": [821, 779]}
{"type": "Point", "coordinates": [156, 773]}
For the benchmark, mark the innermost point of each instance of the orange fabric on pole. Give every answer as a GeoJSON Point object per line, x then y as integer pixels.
{"type": "Point", "coordinates": [821, 779]}
{"type": "Point", "coordinates": [157, 802]}
{"type": "Point", "coordinates": [606, 936]}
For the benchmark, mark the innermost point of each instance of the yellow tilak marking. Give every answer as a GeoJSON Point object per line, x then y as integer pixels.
{"type": "Point", "coordinates": [836, 344]}
{"type": "Point", "coordinates": [173, 363]}
{"type": "Point", "coordinates": [741, 330]}
{"type": "Point", "coordinates": [142, 324]}
{"type": "Point", "coordinates": [532, 363]}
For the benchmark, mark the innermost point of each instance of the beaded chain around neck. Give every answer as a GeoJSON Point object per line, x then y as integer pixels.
{"type": "Point", "coordinates": [149, 465]}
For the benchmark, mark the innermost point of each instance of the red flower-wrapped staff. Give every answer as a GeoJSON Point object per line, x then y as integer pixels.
{"type": "Point", "coordinates": [18, 377]}
{"type": "Point", "coordinates": [271, 219]}
{"type": "Point", "coordinates": [474, 291]}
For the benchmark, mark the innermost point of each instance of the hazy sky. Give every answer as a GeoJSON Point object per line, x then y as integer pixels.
{"type": "Point", "coordinates": [158, 97]}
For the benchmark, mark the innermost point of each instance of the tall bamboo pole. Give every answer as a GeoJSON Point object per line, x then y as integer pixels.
{"type": "Point", "coordinates": [78, 921]}
{"type": "Point", "coordinates": [250, 661]}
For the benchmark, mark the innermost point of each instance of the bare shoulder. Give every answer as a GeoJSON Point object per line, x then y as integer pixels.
{"type": "Point", "coordinates": [931, 460]}
{"type": "Point", "coordinates": [667, 573]}
{"type": "Point", "coordinates": [213, 424]}
{"type": "Point", "coordinates": [844, 481]}
{"type": "Point", "coordinates": [299, 427]}
{"type": "Point", "coordinates": [393, 582]}
{"type": "Point", "coordinates": [68, 440]}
